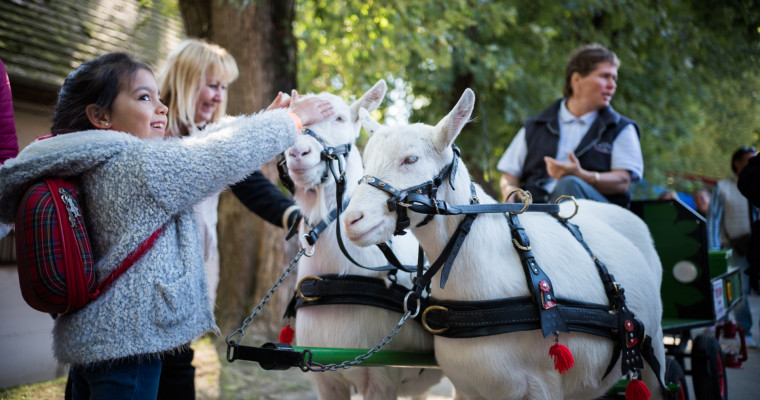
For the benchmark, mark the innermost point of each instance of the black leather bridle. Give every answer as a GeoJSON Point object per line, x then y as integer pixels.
{"type": "Point", "coordinates": [328, 155]}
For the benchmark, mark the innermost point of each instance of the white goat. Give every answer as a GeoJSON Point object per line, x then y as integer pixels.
{"type": "Point", "coordinates": [510, 365]}
{"type": "Point", "coordinates": [352, 326]}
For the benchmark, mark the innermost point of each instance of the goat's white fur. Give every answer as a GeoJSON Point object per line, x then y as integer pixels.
{"type": "Point", "coordinates": [512, 365]}
{"type": "Point", "coordinates": [354, 326]}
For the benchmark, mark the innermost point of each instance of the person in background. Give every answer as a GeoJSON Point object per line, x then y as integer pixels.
{"type": "Point", "coordinates": [108, 131]}
{"type": "Point", "coordinates": [8, 139]}
{"type": "Point", "coordinates": [749, 186]}
{"type": "Point", "coordinates": [668, 195]}
{"type": "Point", "coordinates": [579, 145]}
{"type": "Point", "coordinates": [194, 84]}
{"type": "Point", "coordinates": [702, 201]}
{"type": "Point", "coordinates": [728, 226]}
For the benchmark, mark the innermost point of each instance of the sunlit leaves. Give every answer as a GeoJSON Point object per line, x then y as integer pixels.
{"type": "Point", "coordinates": [689, 71]}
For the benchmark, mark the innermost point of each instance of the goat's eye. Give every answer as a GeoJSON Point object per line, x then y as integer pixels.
{"type": "Point", "coordinates": [410, 160]}
{"type": "Point", "coordinates": [340, 119]}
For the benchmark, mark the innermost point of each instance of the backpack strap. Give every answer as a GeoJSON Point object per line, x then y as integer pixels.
{"type": "Point", "coordinates": [131, 259]}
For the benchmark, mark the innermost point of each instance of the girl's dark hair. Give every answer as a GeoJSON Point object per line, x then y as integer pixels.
{"type": "Point", "coordinates": [96, 81]}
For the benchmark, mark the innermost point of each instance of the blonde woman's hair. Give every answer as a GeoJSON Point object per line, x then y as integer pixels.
{"type": "Point", "coordinates": [183, 76]}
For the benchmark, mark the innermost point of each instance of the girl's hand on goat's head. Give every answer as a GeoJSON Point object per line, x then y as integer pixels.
{"type": "Point", "coordinates": [311, 110]}
{"type": "Point", "coordinates": [281, 101]}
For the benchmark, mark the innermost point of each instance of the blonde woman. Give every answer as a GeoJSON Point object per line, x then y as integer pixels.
{"type": "Point", "coordinates": [193, 85]}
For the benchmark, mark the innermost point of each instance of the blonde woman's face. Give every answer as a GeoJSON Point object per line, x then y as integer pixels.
{"type": "Point", "coordinates": [211, 95]}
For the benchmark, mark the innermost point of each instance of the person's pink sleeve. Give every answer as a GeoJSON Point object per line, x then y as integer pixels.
{"type": "Point", "coordinates": [8, 139]}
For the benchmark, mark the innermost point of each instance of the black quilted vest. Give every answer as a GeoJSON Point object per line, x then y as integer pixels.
{"type": "Point", "coordinates": [594, 152]}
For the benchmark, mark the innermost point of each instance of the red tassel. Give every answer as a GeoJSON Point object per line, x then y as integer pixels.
{"type": "Point", "coordinates": [563, 358]}
{"type": "Point", "coordinates": [637, 390]}
{"type": "Point", "coordinates": [286, 334]}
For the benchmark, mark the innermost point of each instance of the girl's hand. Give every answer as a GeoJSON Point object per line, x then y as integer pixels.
{"type": "Point", "coordinates": [310, 110]}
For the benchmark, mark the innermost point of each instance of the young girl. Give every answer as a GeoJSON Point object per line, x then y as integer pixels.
{"type": "Point", "coordinates": [193, 84]}
{"type": "Point", "coordinates": [108, 129]}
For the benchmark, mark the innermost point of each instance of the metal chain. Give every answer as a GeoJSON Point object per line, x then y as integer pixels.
{"type": "Point", "coordinates": [248, 321]}
{"type": "Point", "coordinates": [308, 365]}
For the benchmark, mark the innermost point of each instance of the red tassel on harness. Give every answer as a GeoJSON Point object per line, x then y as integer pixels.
{"type": "Point", "coordinates": [637, 390]}
{"type": "Point", "coordinates": [286, 335]}
{"type": "Point", "coordinates": [563, 358]}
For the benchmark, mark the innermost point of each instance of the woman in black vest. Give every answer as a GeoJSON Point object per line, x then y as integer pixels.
{"type": "Point", "coordinates": [579, 145]}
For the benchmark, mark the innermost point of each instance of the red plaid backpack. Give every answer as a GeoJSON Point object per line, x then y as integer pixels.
{"type": "Point", "coordinates": [55, 261]}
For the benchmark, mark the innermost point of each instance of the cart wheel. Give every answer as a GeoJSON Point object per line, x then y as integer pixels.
{"type": "Point", "coordinates": [707, 369]}
{"type": "Point", "coordinates": [674, 373]}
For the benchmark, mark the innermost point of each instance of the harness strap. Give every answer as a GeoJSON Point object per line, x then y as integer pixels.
{"type": "Point", "coordinates": [317, 230]}
{"type": "Point", "coordinates": [446, 259]}
{"type": "Point", "coordinates": [294, 228]}
{"type": "Point", "coordinates": [465, 319]}
{"type": "Point", "coordinates": [539, 284]}
{"type": "Point", "coordinates": [425, 205]}
{"type": "Point", "coordinates": [393, 261]}
{"type": "Point", "coordinates": [452, 248]}
{"type": "Point", "coordinates": [631, 343]}
{"type": "Point", "coordinates": [282, 171]}
{"type": "Point", "coordinates": [350, 289]}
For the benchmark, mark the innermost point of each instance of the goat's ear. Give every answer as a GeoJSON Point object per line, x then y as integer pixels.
{"type": "Point", "coordinates": [369, 124]}
{"type": "Point", "coordinates": [370, 100]}
{"type": "Point", "coordinates": [451, 125]}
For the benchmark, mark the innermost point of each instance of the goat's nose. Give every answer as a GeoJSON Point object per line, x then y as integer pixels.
{"type": "Point", "coordinates": [297, 151]}
{"type": "Point", "coordinates": [352, 217]}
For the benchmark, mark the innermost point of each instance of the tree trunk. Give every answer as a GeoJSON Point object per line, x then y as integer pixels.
{"type": "Point", "coordinates": [252, 252]}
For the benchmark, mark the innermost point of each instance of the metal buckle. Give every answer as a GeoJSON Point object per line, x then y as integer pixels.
{"type": "Point", "coordinates": [298, 288]}
{"type": "Point", "coordinates": [424, 321]}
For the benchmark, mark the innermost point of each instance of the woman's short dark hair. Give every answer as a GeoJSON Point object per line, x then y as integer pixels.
{"type": "Point", "coordinates": [739, 154]}
{"type": "Point", "coordinates": [97, 81]}
{"type": "Point", "coordinates": [584, 60]}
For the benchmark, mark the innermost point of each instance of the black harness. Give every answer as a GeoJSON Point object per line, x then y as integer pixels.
{"type": "Point", "coordinates": [542, 309]}
{"type": "Point", "coordinates": [345, 289]}
{"type": "Point", "coordinates": [328, 154]}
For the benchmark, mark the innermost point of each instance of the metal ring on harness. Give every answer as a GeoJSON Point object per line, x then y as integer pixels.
{"type": "Point", "coordinates": [313, 248]}
{"type": "Point", "coordinates": [563, 197]}
{"type": "Point", "coordinates": [424, 321]}
{"type": "Point", "coordinates": [298, 288]}
{"type": "Point", "coordinates": [406, 307]}
{"type": "Point", "coordinates": [527, 199]}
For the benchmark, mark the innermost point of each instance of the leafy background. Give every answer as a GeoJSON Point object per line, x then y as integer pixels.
{"type": "Point", "coordinates": [689, 73]}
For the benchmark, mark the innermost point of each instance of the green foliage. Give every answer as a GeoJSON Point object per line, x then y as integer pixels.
{"type": "Point", "coordinates": [689, 72]}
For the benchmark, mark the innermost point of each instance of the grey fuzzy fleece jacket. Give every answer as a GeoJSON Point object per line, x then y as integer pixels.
{"type": "Point", "coordinates": [132, 187]}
